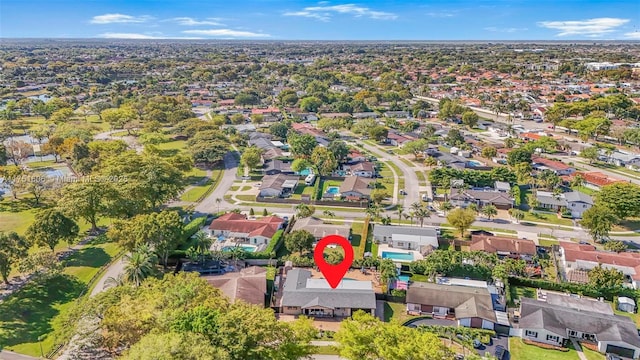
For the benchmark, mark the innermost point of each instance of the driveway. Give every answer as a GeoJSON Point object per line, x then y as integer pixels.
{"type": "Point", "coordinates": [438, 322]}
{"type": "Point", "coordinates": [495, 341]}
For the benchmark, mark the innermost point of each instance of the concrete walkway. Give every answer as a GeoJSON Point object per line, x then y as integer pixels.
{"type": "Point", "coordinates": [578, 348]}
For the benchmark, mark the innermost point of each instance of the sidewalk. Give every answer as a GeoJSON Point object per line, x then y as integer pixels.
{"type": "Point", "coordinates": [578, 348]}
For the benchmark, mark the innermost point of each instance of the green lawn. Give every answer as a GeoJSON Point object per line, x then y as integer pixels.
{"type": "Point", "coordinates": [592, 355]}
{"type": "Point", "coordinates": [520, 350]}
{"type": "Point", "coordinates": [548, 218]}
{"type": "Point", "coordinates": [407, 162]}
{"type": "Point", "coordinates": [43, 164]}
{"type": "Point", "coordinates": [31, 313]}
{"type": "Point", "coordinates": [421, 178]}
{"type": "Point", "coordinates": [548, 242]}
{"type": "Point", "coordinates": [517, 292]}
{"type": "Point", "coordinates": [195, 192]}
{"type": "Point", "coordinates": [247, 198]}
{"type": "Point", "coordinates": [634, 317]}
{"type": "Point", "coordinates": [585, 190]}
{"type": "Point", "coordinates": [396, 311]}
{"type": "Point", "coordinates": [324, 350]}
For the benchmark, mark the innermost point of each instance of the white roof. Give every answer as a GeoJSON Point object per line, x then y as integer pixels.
{"type": "Point", "coordinates": [626, 300]}
{"type": "Point", "coordinates": [421, 240]}
{"type": "Point", "coordinates": [344, 284]}
{"type": "Point", "coordinates": [290, 183]}
{"type": "Point", "coordinates": [277, 143]}
{"type": "Point", "coordinates": [462, 282]}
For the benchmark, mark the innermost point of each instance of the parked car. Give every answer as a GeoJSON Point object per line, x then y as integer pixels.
{"type": "Point", "coordinates": [402, 192]}
{"type": "Point", "coordinates": [477, 344]}
{"type": "Point", "coordinates": [499, 352]}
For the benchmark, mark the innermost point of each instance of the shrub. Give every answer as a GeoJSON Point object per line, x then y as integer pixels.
{"type": "Point", "coordinates": [544, 346]}
{"type": "Point", "coordinates": [398, 293]}
{"type": "Point", "coordinates": [301, 261]}
{"type": "Point", "coordinates": [317, 189]}
{"type": "Point", "coordinates": [251, 212]}
{"type": "Point", "coordinates": [193, 227]}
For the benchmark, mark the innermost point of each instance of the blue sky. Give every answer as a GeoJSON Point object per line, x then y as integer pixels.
{"type": "Point", "coordinates": [323, 20]}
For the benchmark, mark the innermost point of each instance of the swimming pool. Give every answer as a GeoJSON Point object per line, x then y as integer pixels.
{"type": "Point", "coordinates": [400, 256]}
{"type": "Point", "coordinates": [333, 190]}
{"type": "Point", "coordinates": [305, 172]}
{"type": "Point", "coordinates": [474, 163]}
{"type": "Point", "coordinates": [247, 248]}
{"type": "Point", "coordinates": [403, 278]}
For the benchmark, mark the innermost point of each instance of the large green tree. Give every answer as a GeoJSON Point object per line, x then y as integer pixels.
{"type": "Point", "coordinates": [364, 337]}
{"type": "Point", "coordinates": [50, 227]}
{"type": "Point", "coordinates": [600, 277]}
{"type": "Point", "coordinates": [599, 220]}
{"type": "Point", "coordinates": [461, 219]}
{"type": "Point", "coordinates": [622, 198]}
{"type": "Point", "coordinates": [88, 201]}
{"type": "Point", "coordinates": [251, 157]}
{"type": "Point", "coordinates": [302, 145]}
{"type": "Point", "coordinates": [13, 248]}
{"type": "Point", "coordinates": [324, 160]}
{"type": "Point", "coordinates": [299, 241]}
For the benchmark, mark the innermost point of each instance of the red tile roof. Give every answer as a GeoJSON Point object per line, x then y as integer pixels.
{"type": "Point", "coordinates": [574, 252]}
{"type": "Point", "coordinates": [551, 164]}
{"type": "Point", "coordinates": [598, 178]}
{"type": "Point", "coordinates": [266, 226]}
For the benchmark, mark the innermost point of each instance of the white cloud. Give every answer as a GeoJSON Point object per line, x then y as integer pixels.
{"type": "Point", "coordinates": [226, 33]}
{"type": "Point", "coordinates": [632, 35]}
{"type": "Point", "coordinates": [441, 14]}
{"type": "Point", "coordinates": [590, 27]}
{"type": "Point", "coordinates": [505, 30]}
{"type": "Point", "coordinates": [187, 21]}
{"type": "Point", "coordinates": [119, 18]}
{"type": "Point", "coordinates": [141, 36]}
{"type": "Point", "coordinates": [324, 13]}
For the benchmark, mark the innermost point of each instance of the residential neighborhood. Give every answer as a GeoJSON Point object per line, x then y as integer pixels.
{"type": "Point", "coordinates": [166, 198]}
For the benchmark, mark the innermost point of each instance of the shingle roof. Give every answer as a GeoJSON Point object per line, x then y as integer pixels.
{"type": "Point", "coordinates": [467, 301]}
{"type": "Point", "coordinates": [296, 293]}
{"type": "Point", "coordinates": [319, 229]}
{"type": "Point", "coordinates": [249, 285]}
{"type": "Point", "coordinates": [493, 244]}
{"type": "Point", "coordinates": [536, 314]}
{"type": "Point", "coordinates": [275, 181]}
{"type": "Point", "coordinates": [494, 197]}
{"type": "Point", "coordinates": [357, 184]}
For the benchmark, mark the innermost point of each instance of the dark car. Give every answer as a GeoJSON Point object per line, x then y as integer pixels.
{"type": "Point", "coordinates": [500, 351]}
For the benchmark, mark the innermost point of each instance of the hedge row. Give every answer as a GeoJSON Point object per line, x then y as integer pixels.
{"type": "Point", "coordinates": [272, 248]}
{"type": "Point", "coordinates": [192, 228]}
{"type": "Point", "coordinates": [317, 189]}
{"type": "Point", "coordinates": [582, 289]}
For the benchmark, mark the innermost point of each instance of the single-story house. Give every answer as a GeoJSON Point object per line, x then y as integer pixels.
{"type": "Point", "coordinates": [480, 197]}
{"type": "Point", "coordinates": [276, 166]}
{"type": "Point", "coordinates": [405, 237]}
{"type": "Point", "coordinates": [575, 201]}
{"type": "Point", "coordinates": [248, 285]}
{"type": "Point", "coordinates": [355, 188]}
{"type": "Point", "coordinates": [520, 248]}
{"type": "Point", "coordinates": [256, 232]}
{"type": "Point", "coordinates": [365, 115]}
{"type": "Point", "coordinates": [620, 158]}
{"type": "Point", "coordinates": [397, 114]}
{"type": "Point", "coordinates": [355, 156]}
{"type": "Point", "coordinates": [319, 229]}
{"type": "Point", "coordinates": [302, 295]}
{"type": "Point", "coordinates": [562, 317]}
{"type": "Point", "coordinates": [396, 139]}
{"type": "Point", "coordinates": [278, 185]}
{"type": "Point", "coordinates": [470, 306]}
{"type": "Point", "coordinates": [585, 257]}
{"type": "Point", "coordinates": [558, 167]}
{"type": "Point", "coordinates": [596, 180]}
{"type": "Point", "coordinates": [363, 169]}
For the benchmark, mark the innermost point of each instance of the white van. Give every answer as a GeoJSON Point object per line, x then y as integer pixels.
{"type": "Point", "coordinates": [311, 178]}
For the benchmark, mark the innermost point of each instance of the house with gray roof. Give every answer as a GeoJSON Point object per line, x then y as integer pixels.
{"type": "Point", "coordinates": [406, 237]}
{"type": "Point", "coordinates": [561, 317]}
{"type": "Point", "coordinates": [480, 197]}
{"type": "Point", "coordinates": [304, 295]}
{"type": "Point", "coordinates": [319, 229]}
{"type": "Point", "coordinates": [470, 306]}
{"type": "Point", "coordinates": [575, 201]}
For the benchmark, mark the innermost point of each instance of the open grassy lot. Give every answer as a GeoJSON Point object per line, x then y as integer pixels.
{"type": "Point", "coordinates": [548, 218]}
{"type": "Point", "coordinates": [32, 312]}
{"type": "Point", "coordinates": [396, 311]}
{"type": "Point", "coordinates": [585, 190]}
{"type": "Point", "coordinates": [520, 350]}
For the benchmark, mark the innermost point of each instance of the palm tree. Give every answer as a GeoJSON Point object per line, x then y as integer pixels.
{"type": "Point", "coordinates": [400, 212]}
{"type": "Point", "coordinates": [474, 207]}
{"type": "Point", "coordinates": [237, 253]}
{"type": "Point", "coordinates": [329, 213]}
{"type": "Point", "coordinates": [115, 281]}
{"type": "Point", "coordinates": [421, 214]}
{"type": "Point", "coordinates": [446, 207]}
{"type": "Point", "coordinates": [202, 241]}
{"type": "Point", "coordinates": [218, 201]}
{"type": "Point", "coordinates": [409, 216]}
{"type": "Point", "coordinates": [430, 162]}
{"type": "Point", "coordinates": [373, 211]}
{"type": "Point", "coordinates": [489, 211]}
{"type": "Point", "coordinates": [139, 265]}
{"type": "Point", "coordinates": [416, 206]}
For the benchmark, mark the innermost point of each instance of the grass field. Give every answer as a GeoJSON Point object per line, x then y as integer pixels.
{"type": "Point", "coordinates": [585, 190]}
{"type": "Point", "coordinates": [31, 313]}
{"type": "Point", "coordinates": [195, 192]}
{"type": "Point", "coordinates": [520, 350]}
{"type": "Point", "coordinates": [547, 218]}
{"type": "Point", "coordinates": [396, 311]}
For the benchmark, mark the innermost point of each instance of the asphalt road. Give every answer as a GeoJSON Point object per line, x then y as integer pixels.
{"type": "Point", "coordinates": [411, 184]}
{"type": "Point", "coordinates": [209, 204]}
